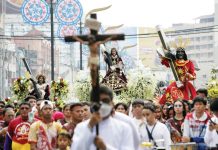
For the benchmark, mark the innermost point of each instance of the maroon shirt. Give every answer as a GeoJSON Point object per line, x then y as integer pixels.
{"type": "Point", "coordinates": [173, 122]}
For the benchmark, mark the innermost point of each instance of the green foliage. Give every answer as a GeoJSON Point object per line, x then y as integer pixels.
{"type": "Point", "coordinates": [212, 85]}
{"type": "Point", "coordinates": [20, 88]}
{"type": "Point", "coordinates": [59, 91]}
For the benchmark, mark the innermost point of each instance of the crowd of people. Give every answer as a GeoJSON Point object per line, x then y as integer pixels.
{"type": "Point", "coordinates": [36, 124]}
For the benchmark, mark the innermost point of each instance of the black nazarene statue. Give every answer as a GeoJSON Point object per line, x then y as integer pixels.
{"type": "Point", "coordinates": [115, 77]}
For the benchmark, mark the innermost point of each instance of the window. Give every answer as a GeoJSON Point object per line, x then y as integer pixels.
{"type": "Point", "coordinates": [203, 46]}
{"type": "Point", "coordinates": [206, 61]}
{"type": "Point", "coordinates": [210, 54]}
{"type": "Point", "coordinates": [210, 37]}
{"type": "Point", "coordinates": [204, 38]}
{"type": "Point", "coordinates": [207, 20]}
{"type": "Point", "coordinates": [210, 46]}
{"type": "Point", "coordinates": [190, 48]}
{"type": "Point", "coordinates": [202, 55]}
{"type": "Point", "coordinates": [197, 47]}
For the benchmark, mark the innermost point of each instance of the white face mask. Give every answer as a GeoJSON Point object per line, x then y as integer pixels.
{"type": "Point", "coordinates": [105, 110]}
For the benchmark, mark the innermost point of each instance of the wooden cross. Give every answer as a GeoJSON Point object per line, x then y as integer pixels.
{"type": "Point", "coordinates": [93, 41]}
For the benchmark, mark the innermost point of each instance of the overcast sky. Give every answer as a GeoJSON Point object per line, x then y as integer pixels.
{"type": "Point", "coordinates": [149, 13]}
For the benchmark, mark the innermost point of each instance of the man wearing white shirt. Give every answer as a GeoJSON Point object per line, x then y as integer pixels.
{"type": "Point", "coordinates": [137, 111]}
{"type": "Point", "coordinates": [211, 135]}
{"type": "Point", "coordinates": [195, 124]}
{"type": "Point", "coordinates": [113, 134]}
{"type": "Point", "coordinates": [130, 122]}
{"type": "Point", "coordinates": [154, 131]}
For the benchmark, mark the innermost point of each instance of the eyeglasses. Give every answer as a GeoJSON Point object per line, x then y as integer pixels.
{"type": "Point", "coordinates": [178, 106]}
{"type": "Point", "coordinates": [2, 106]}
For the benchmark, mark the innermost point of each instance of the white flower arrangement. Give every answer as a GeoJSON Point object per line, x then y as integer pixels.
{"type": "Point", "coordinates": [82, 86]}
{"type": "Point", "coordinates": [139, 85]}
{"type": "Point", "coordinates": [212, 85]}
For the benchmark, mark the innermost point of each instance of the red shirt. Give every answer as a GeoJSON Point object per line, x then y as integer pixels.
{"type": "Point", "coordinates": [19, 130]}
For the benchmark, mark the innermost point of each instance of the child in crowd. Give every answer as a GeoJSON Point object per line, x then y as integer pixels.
{"type": "Point", "coordinates": [64, 141]}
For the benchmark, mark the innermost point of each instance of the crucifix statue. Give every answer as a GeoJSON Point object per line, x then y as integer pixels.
{"type": "Point", "coordinates": [93, 60]}
{"type": "Point", "coordinates": [94, 40]}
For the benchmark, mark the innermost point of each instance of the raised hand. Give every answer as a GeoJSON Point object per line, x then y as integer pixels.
{"type": "Point", "coordinates": [95, 119]}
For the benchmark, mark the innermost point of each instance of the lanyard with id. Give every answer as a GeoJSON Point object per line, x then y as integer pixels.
{"type": "Point", "coordinates": [150, 134]}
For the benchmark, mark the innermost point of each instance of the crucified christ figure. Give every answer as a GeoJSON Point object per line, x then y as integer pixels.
{"type": "Point", "coordinates": [93, 60]}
